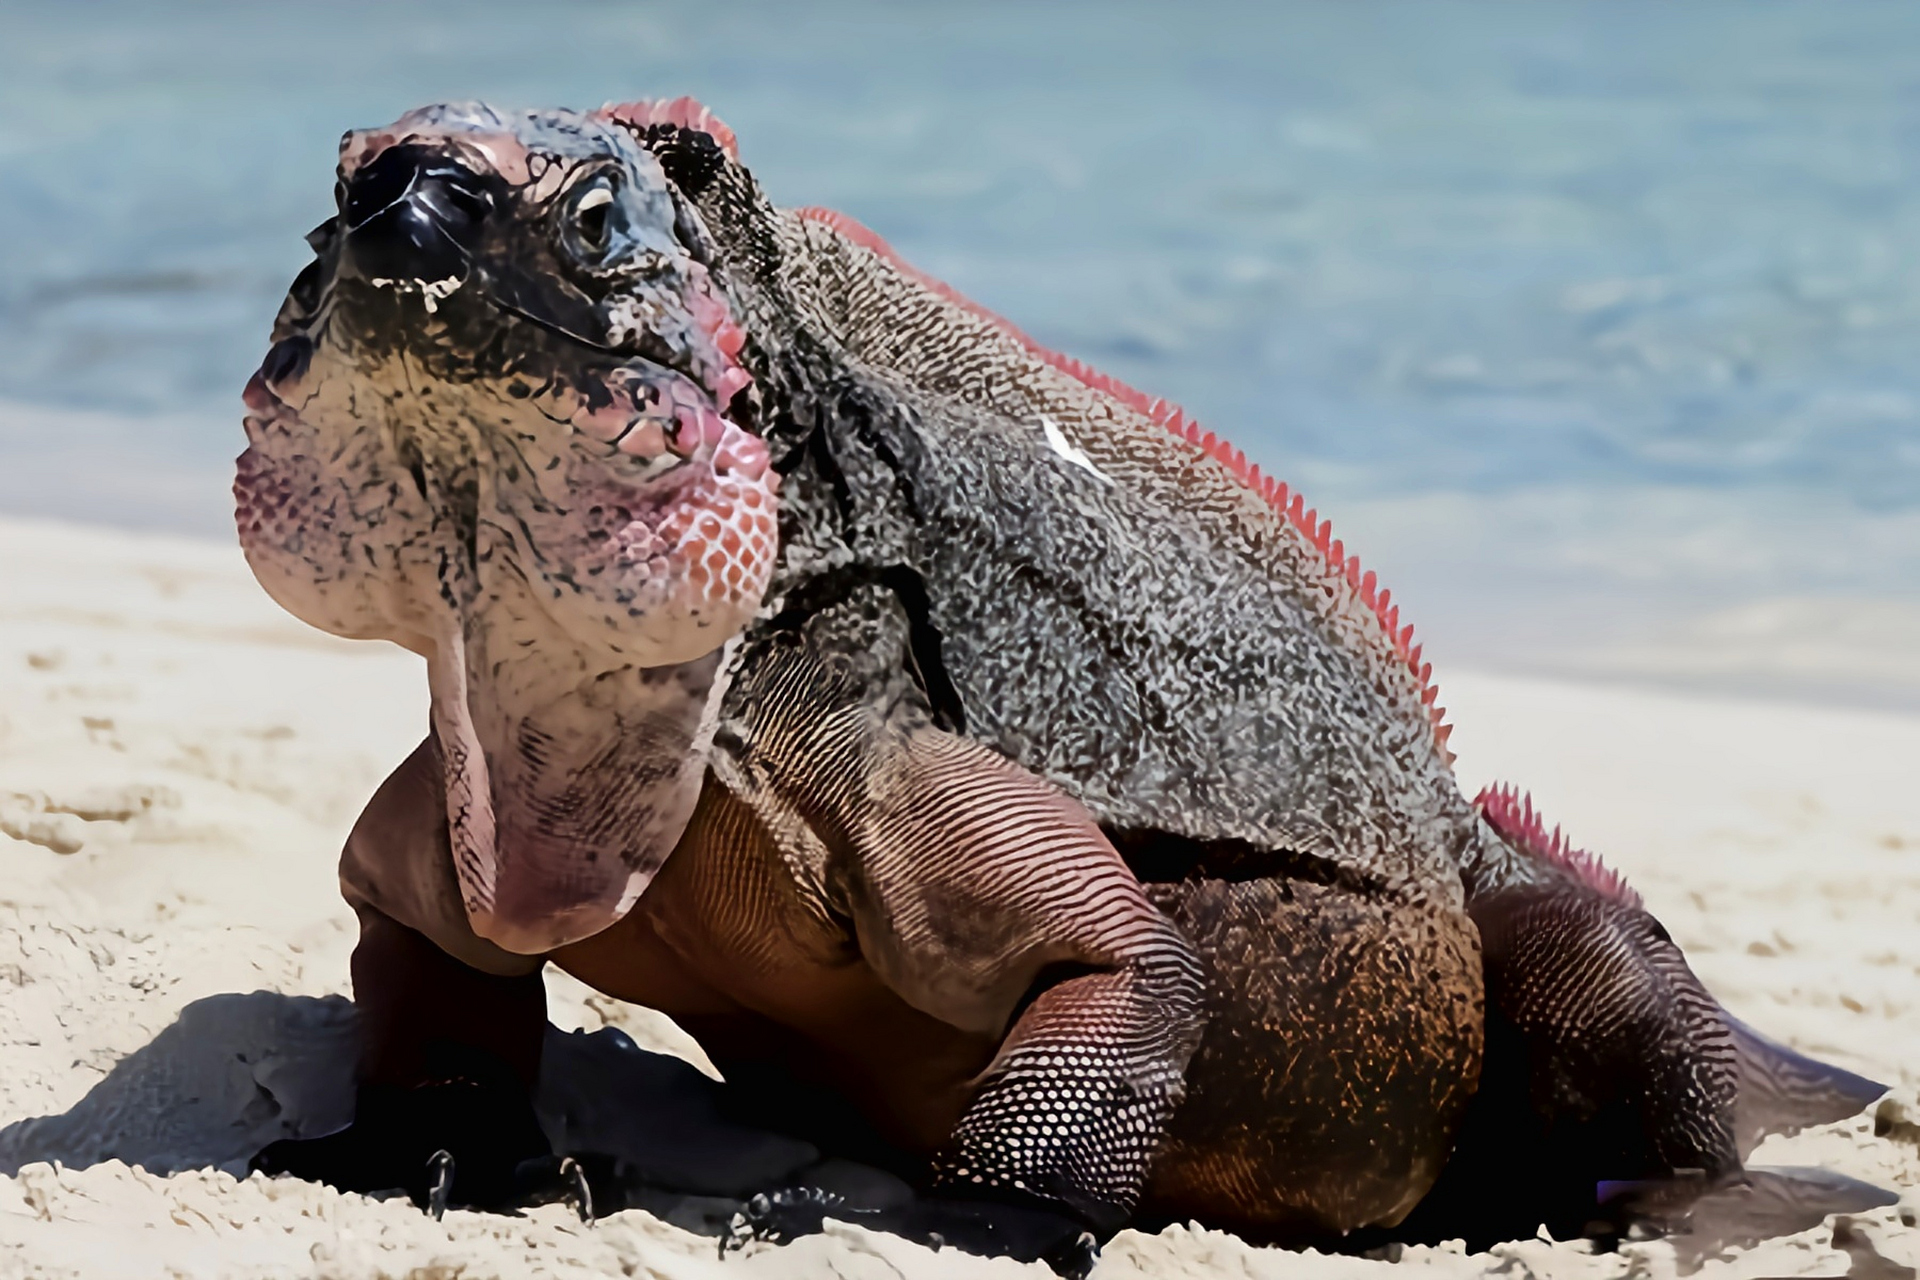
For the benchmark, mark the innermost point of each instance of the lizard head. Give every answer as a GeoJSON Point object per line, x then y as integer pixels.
{"type": "Point", "coordinates": [501, 424]}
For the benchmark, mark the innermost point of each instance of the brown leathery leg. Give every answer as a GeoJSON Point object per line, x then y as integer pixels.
{"type": "Point", "coordinates": [771, 983]}
{"type": "Point", "coordinates": [1632, 1067]}
{"type": "Point", "coordinates": [414, 998]}
{"type": "Point", "coordinates": [990, 900]}
{"type": "Point", "coordinates": [449, 1059]}
{"type": "Point", "coordinates": [1606, 1062]}
{"type": "Point", "coordinates": [452, 1026]}
{"type": "Point", "coordinates": [1618, 1029]}
{"type": "Point", "coordinates": [1343, 1043]}
{"type": "Point", "coordinates": [1617, 1093]}
{"type": "Point", "coordinates": [421, 976]}
{"type": "Point", "coordinates": [1611, 1073]}
{"type": "Point", "coordinates": [976, 885]}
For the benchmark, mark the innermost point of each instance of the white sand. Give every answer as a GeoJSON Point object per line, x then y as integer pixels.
{"type": "Point", "coordinates": [179, 762]}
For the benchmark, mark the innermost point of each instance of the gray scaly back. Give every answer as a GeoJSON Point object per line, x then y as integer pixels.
{"type": "Point", "coordinates": [1094, 589]}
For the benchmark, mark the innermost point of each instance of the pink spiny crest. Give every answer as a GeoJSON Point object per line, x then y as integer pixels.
{"type": "Point", "coordinates": [1176, 422]}
{"type": "Point", "coordinates": [1510, 812]}
{"type": "Point", "coordinates": [681, 113]}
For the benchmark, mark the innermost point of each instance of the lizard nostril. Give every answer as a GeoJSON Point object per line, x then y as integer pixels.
{"type": "Point", "coordinates": [413, 213]}
{"type": "Point", "coordinates": [287, 360]}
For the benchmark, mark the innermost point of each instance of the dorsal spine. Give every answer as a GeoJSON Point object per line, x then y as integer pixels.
{"type": "Point", "coordinates": [689, 114]}
{"type": "Point", "coordinates": [1172, 418]}
{"type": "Point", "coordinates": [1510, 812]}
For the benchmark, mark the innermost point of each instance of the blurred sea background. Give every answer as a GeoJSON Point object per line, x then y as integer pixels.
{"type": "Point", "coordinates": [1594, 328]}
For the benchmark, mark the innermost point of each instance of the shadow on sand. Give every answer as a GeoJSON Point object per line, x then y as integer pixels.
{"type": "Point", "coordinates": [236, 1072]}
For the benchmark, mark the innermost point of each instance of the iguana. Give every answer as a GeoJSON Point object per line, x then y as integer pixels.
{"type": "Point", "coordinates": [929, 724]}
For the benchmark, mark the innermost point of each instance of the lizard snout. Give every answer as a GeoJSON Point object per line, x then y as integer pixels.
{"type": "Point", "coordinates": [413, 214]}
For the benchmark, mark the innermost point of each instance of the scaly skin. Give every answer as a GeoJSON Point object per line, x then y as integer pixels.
{"type": "Point", "coordinates": [551, 488]}
{"type": "Point", "coordinates": [1058, 793]}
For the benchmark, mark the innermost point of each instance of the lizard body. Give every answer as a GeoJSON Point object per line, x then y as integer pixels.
{"type": "Point", "coordinates": [1051, 787]}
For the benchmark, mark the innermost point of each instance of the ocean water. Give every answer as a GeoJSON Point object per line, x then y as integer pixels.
{"type": "Point", "coordinates": [1596, 328]}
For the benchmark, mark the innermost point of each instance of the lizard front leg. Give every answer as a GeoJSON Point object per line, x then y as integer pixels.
{"type": "Point", "coordinates": [983, 896]}
{"type": "Point", "coordinates": [984, 891]}
{"type": "Point", "coordinates": [451, 1025]}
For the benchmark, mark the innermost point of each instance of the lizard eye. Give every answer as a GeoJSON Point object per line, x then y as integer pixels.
{"type": "Point", "coordinates": [589, 213]}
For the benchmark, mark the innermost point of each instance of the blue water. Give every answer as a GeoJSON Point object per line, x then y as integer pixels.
{"type": "Point", "coordinates": [1561, 268]}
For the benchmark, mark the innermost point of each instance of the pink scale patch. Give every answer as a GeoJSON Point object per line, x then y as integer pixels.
{"type": "Point", "coordinates": [681, 113]}
{"type": "Point", "coordinates": [709, 308]}
{"type": "Point", "coordinates": [1510, 812]}
{"type": "Point", "coordinates": [734, 544]}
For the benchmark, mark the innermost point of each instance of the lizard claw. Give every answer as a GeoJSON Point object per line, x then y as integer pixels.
{"type": "Point", "coordinates": [779, 1217]}
{"type": "Point", "coordinates": [455, 1141]}
{"type": "Point", "coordinates": [1026, 1233]}
{"type": "Point", "coordinates": [439, 1182]}
{"type": "Point", "coordinates": [551, 1179]}
{"type": "Point", "coordinates": [579, 1190]}
{"type": "Point", "coordinates": [1075, 1259]}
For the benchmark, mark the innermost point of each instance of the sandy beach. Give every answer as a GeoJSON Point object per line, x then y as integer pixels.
{"type": "Point", "coordinates": [179, 762]}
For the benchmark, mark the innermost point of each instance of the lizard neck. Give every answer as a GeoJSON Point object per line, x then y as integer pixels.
{"type": "Point", "coordinates": [568, 781]}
